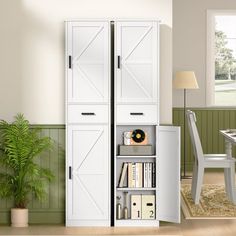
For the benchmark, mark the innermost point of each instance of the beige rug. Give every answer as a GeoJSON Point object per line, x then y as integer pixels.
{"type": "Point", "coordinates": [213, 203]}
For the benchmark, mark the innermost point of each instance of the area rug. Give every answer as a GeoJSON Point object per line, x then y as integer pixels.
{"type": "Point", "coordinates": [213, 203]}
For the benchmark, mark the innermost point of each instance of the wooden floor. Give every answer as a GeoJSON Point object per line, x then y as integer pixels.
{"type": "Point", "coordinates": [186, 228]}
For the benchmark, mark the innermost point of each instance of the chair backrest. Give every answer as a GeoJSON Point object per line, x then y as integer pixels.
{"type": "Point", "coordinates": [196, 142]}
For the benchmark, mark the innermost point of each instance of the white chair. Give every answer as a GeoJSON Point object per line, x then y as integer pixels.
{"type": "Point", "coordinates": [203, 161]}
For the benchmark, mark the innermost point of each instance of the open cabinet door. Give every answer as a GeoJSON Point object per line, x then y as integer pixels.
{"type": "Point", "coordinates": [168, 169]}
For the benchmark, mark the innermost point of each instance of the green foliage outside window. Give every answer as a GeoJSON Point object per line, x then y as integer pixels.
{"type": "Point", "coordinates": [225, 63]}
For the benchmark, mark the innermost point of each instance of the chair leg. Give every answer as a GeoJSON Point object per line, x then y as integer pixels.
{"type": "Point", "coordinates": [228, 184]}
{"type": "Point", "coordinates": [199, 182]}
{"type": "Point", "coordinates": [194, 180]}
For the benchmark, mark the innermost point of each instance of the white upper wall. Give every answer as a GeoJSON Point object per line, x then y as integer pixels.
{"type": "Point", "coordinates": [189, 44]}
{"type": "Point", "coordinates": [32, 52]}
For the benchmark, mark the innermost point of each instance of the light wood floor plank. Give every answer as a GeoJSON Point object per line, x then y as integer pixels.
{"type": "Point", "coordinates": [211, 227]}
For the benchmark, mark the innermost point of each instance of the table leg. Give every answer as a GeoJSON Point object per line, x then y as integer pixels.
{"type": "Point", "coordinates": [227, 171]}
{"type": "Point", "coordinates": [232, 181]}
{"type": "Point", "coordinates": [228, 187]}
{"type": "Point", "coordinates": [228, 148]}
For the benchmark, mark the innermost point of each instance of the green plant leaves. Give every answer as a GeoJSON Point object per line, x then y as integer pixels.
{"type": "Point", "coordinates": [20, 147]}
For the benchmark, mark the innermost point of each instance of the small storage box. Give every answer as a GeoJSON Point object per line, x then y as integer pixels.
{"type": "Point", "coordinates": [135, 150]}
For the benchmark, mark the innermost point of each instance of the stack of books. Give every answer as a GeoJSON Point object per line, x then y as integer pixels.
{"type": "Point", "coordinates": [137, 175]}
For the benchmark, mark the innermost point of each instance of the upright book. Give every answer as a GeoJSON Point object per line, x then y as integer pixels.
{"type": "Point", "coordinates": [123, 174]}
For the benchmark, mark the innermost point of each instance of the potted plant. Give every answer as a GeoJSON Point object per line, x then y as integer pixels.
{"type": "Point", "coordinates": [20, 147]}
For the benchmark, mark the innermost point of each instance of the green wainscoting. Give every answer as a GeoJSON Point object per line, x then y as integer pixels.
{"type": "Point", "coordinates": [52, 209]}
{"type": "Point", "coordinates": [209, 122]}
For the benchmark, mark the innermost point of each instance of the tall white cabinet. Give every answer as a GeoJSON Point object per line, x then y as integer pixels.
{"type": "Point", "coordinates": [104, 99]}
{"type": "Point", "coordinates": [137, 106]}
{"type": "Point", "coordinates": [88, 123]}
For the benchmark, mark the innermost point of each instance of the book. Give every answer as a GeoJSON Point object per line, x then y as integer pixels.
{"type": "Point", "coordinates": [140, 169]}
{"type": "Point", "coordinates": [133, 185]}
{"type": "Point", "coordinates": [136, 175]}
{"type": "Point", "coordinates": [145, 185]}
{"type": "Point", "coordinates": [123, 174]}
{"type": "Point", "coordinates": [139, 175]}
{"type": "Point", "coordinates": [121, 171]}
{"type": "Point", "coordinates": [131, 175]}
{"type": "Point", "coordinates": [144, 174]}
{"type": "Point", "coordinates": [149, 175]}
{"type": "Point", "coordinates": [153, 175]}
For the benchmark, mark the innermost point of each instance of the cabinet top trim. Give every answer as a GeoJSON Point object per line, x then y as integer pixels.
{"type": "Point", "coordinates": [113, 19]}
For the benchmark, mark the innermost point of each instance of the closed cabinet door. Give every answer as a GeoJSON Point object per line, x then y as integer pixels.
{"type": "Point", "coordinates": [87, 62]}
{"type": "Point", "coordinates": [136, 62]}
{"type": "Point", "coordinates": [88, 174]}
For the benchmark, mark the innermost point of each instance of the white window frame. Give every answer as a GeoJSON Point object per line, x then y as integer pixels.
{"type": "Point", "coordinates": [210, 48]}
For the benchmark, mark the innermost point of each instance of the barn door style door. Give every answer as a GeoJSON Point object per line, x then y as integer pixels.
{"type": "Point", "coordinates": [136, 62]}
{"type": "Point", "coordinates": [88, 61]}
{"type": "Point", "coordinates": [88, 174]}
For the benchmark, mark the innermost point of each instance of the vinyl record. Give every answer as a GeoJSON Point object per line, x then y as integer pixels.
{"type": "Point", "coordinates": [138, 135]}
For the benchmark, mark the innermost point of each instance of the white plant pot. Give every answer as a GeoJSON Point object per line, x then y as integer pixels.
{"type": "Point", "coordinates": [19, 217]}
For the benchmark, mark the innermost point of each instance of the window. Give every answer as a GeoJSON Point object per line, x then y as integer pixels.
{"type": "Point", "coordinates": [222, 59]}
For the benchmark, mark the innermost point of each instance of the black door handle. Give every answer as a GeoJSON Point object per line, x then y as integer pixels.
{"type": "Point", "coordinates": [136, 113]}
{"type": "Point", "coordinates": [70, 174]}
{"type": "Point", "coordinates": [88, 114]}
{"type": "Point", "coordinates": [69, 62]}
{"type": "Point", "coordinates": [118, 62]}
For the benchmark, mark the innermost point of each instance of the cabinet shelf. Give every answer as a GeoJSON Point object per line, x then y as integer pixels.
{"type": "Point", "coordinates": [137, 223]}
{"type": "Point", "coordinates": [124, 157]}
{"type": "Point", "coordinates": [135, 189]}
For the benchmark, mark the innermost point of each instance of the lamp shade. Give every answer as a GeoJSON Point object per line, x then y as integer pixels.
{"type": "Point", "coordinates": [185, 80]}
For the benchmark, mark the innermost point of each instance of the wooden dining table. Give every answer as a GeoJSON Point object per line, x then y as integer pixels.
{"type": "Point", "coordinates": [230, 140]}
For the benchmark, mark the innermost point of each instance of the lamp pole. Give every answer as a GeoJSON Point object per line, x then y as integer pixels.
{"type": "Point", "coordinates": [184, 146]}
{"type": "Point", "coordinates": [185, 80]}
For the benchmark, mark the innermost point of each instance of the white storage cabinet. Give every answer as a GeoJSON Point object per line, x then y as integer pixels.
{"type": "Point", "coordinates": [87, 123]}
{"type": "Point", "coordinates": [136, 105]}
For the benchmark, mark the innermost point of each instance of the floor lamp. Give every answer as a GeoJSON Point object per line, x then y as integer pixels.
{"type": "Point", "coordinates": [185, 80]}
